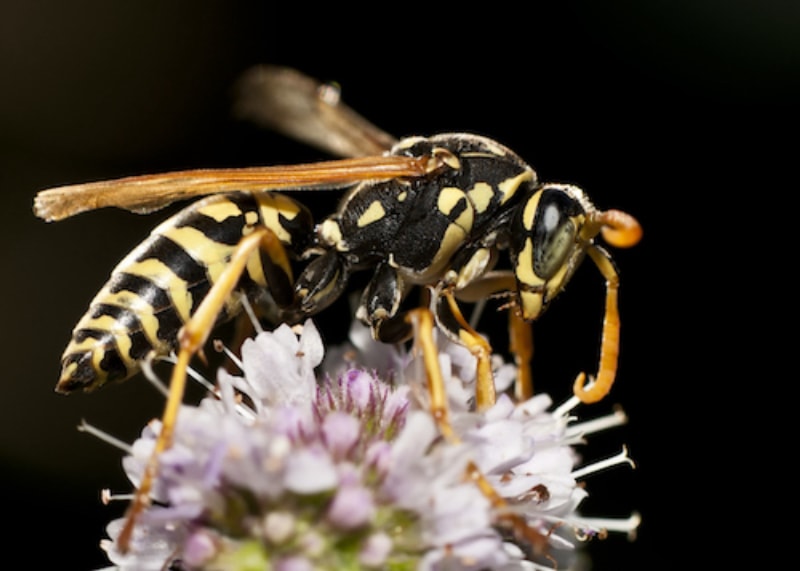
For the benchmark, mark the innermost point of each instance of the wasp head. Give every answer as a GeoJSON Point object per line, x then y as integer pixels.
{"type": "Point", "coordinates": [549, 235]}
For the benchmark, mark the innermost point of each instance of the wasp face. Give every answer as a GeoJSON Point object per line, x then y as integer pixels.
{"type": "Point", "coordinates": [547, 244]}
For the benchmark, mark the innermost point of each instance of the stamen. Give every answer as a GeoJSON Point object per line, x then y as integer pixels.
{"type": "Point", "coordinates": [568, 405]}
{"type": "Point", "coordinates": [201, 380]}
{"type": "Point", "coordinates": [477, 312]}
{"type": "Point", "coordinates": [251, 314]}
{"type": "Point", "coordinates": [628, 525]}
{"type": "Point", "coordinates": [616, 418]}
{"type": "Point", "coordinates": [219, 346]}
{"type": "Point", "coordinates": [107, 497]}
{"type": "Point", "coordinates": [194, 375]}
{"type": "Point", "coordinates": [573, 401]}
{"type": "Point", "coordinates": [105, 437]}
{"type": "Point", "coordinates": [621, 458]}
{"type": "Point", "coordinates": [150, 374]}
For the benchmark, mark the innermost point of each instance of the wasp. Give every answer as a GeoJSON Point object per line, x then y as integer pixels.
{"type": "Point", "coordinates": [433, 213]}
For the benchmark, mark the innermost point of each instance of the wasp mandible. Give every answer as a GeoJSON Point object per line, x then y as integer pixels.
{"type": "Point", "coordinates": [420, 212]}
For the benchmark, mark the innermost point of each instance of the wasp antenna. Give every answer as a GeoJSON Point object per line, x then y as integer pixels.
{"type": "Point", "coordinates": [619, 228]}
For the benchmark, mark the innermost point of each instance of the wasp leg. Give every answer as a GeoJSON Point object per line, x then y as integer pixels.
{"type": "Point", "coordinates": [422, 322]}
{"type": "Point", "coordinates": [452, 322]}
{"type": "Point", "coordinates": [609, 346]}
{"type": "Point", "coordinates": [380, 306]}
{"type": "Point", "coordinates": [520, 334]}
{"type": "Point", "coordinates": [321, 283]}
{"type": "Point", "coordinates": [191, 339]}
{"type": "Point", "coordinates": [520, 331]}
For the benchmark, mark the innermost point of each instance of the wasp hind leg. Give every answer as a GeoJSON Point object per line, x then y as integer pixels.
{"type": "Point", "coordinates": [191, 339]}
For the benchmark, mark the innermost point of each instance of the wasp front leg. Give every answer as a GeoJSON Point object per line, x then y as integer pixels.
{"type": "Point", "coordinates": [609, 347]}
{"type": "Point", "coordinates": [520, 335]}
{"type": "Point", "coordinates": [380, 305]}
{"type": "Point", "coordinates": [191, 339]}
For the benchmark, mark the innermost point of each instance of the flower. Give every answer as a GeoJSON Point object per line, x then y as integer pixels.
{"type": "Point", "coordinates": [283, 470]}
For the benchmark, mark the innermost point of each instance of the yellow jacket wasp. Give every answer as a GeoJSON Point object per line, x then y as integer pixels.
{"type": "Point", "coordinates": [431, 211]}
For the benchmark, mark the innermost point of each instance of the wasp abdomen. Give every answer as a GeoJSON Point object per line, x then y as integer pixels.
{"type": "Point", "coordinates": [157, 287]}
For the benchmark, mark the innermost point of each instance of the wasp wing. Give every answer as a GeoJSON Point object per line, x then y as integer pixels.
{"type": "Point", "coordinates": [300, 107]}
{"type": "Point", "coordinates": [146, 193]}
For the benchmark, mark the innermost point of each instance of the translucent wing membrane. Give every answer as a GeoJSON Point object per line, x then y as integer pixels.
{"type": "Point", "coordinates": [146, 193]}
{"type": "Point", "coordinates": [293, 104]}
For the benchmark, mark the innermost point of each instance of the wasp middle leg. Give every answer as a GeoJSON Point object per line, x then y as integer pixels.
{"type": "Point", "coordinates": [423, 323]}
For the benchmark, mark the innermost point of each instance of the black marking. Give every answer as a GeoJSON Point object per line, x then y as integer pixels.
{"type": "Point", "coordinates": [227, 231]}
{"type": "Point", "coordinates": [113, 364]}
{"type": "Point", "coordinates": [83, 376]}
{"type": "Point", "coordinates": [169, 321]}
{"type": "Point", "coordinates": [300, 228]}
{"type": "Point", "coordinates": [140, 345]}
{"type": "Point", "coordinates": [183, 265]}
{"type": "Point", "coordinates": [175, 258]}
{"type": "Point", "coordinates": [85, 333]}
{"type": "Point", "coordinates": [280, 285]}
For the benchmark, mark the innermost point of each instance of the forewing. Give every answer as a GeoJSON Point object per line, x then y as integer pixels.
{"type": "Point", "coordinates": [147, 193]}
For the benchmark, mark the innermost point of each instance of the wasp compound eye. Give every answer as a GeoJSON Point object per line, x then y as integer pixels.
{"type": "Point", "coordinates": [554, 230]}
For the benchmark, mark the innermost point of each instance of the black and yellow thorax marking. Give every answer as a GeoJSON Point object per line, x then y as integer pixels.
{"type": "Point", "coordinates": [418, 225]}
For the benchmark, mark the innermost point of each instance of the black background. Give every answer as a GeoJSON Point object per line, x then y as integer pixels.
{"type": "Point", "coordinates": [677, 112]}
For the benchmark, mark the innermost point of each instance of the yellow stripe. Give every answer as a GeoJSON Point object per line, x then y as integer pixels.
{"type": "Point", "coordinates": [524, 267]}
{"type": "Point", "coordinates": [255, 270]}
{"type": "Point", "coordinates": [448, 199]}
{"type": "Point", "coordinates": [509, 186]}
{"type": "Point", "coordinates": [452, 239]}
{"type": "Point", "coordinates": [372, 214]}
{"type": "Point", "coordinates": [213, 255]}
{"type": "Point", "coordinates": [102, 323]}
{"type": "Point", "coordinates": [163, 276]}
{"type": "Point", "coordinates": [481, 196]}
{"type": "Point", "coordinates": [144, 312]}
{"type": "Point", "coordinates": [87, 344]}
{"type": "Point", "coordinates": [529, 212]}
{"type": "Point", "coordinates": [219, 210]}
{"type": "Point", "coordinates": [97, 349]}
{"type": "Point", "coordinates": [272, 207]}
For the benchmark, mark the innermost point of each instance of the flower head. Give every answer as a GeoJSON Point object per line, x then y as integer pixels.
{"type": "Point", "coordinates": [282, 470]}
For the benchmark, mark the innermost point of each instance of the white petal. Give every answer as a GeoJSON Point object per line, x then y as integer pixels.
{"type": "Point", "coordinates": [309, 472]}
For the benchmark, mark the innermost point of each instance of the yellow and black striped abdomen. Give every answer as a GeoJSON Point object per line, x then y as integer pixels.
{"type": "Point", "coordinates": [156, 288]}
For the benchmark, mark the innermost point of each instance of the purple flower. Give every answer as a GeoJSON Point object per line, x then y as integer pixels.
{"type": "Point", "coordinates": [288, 471]}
